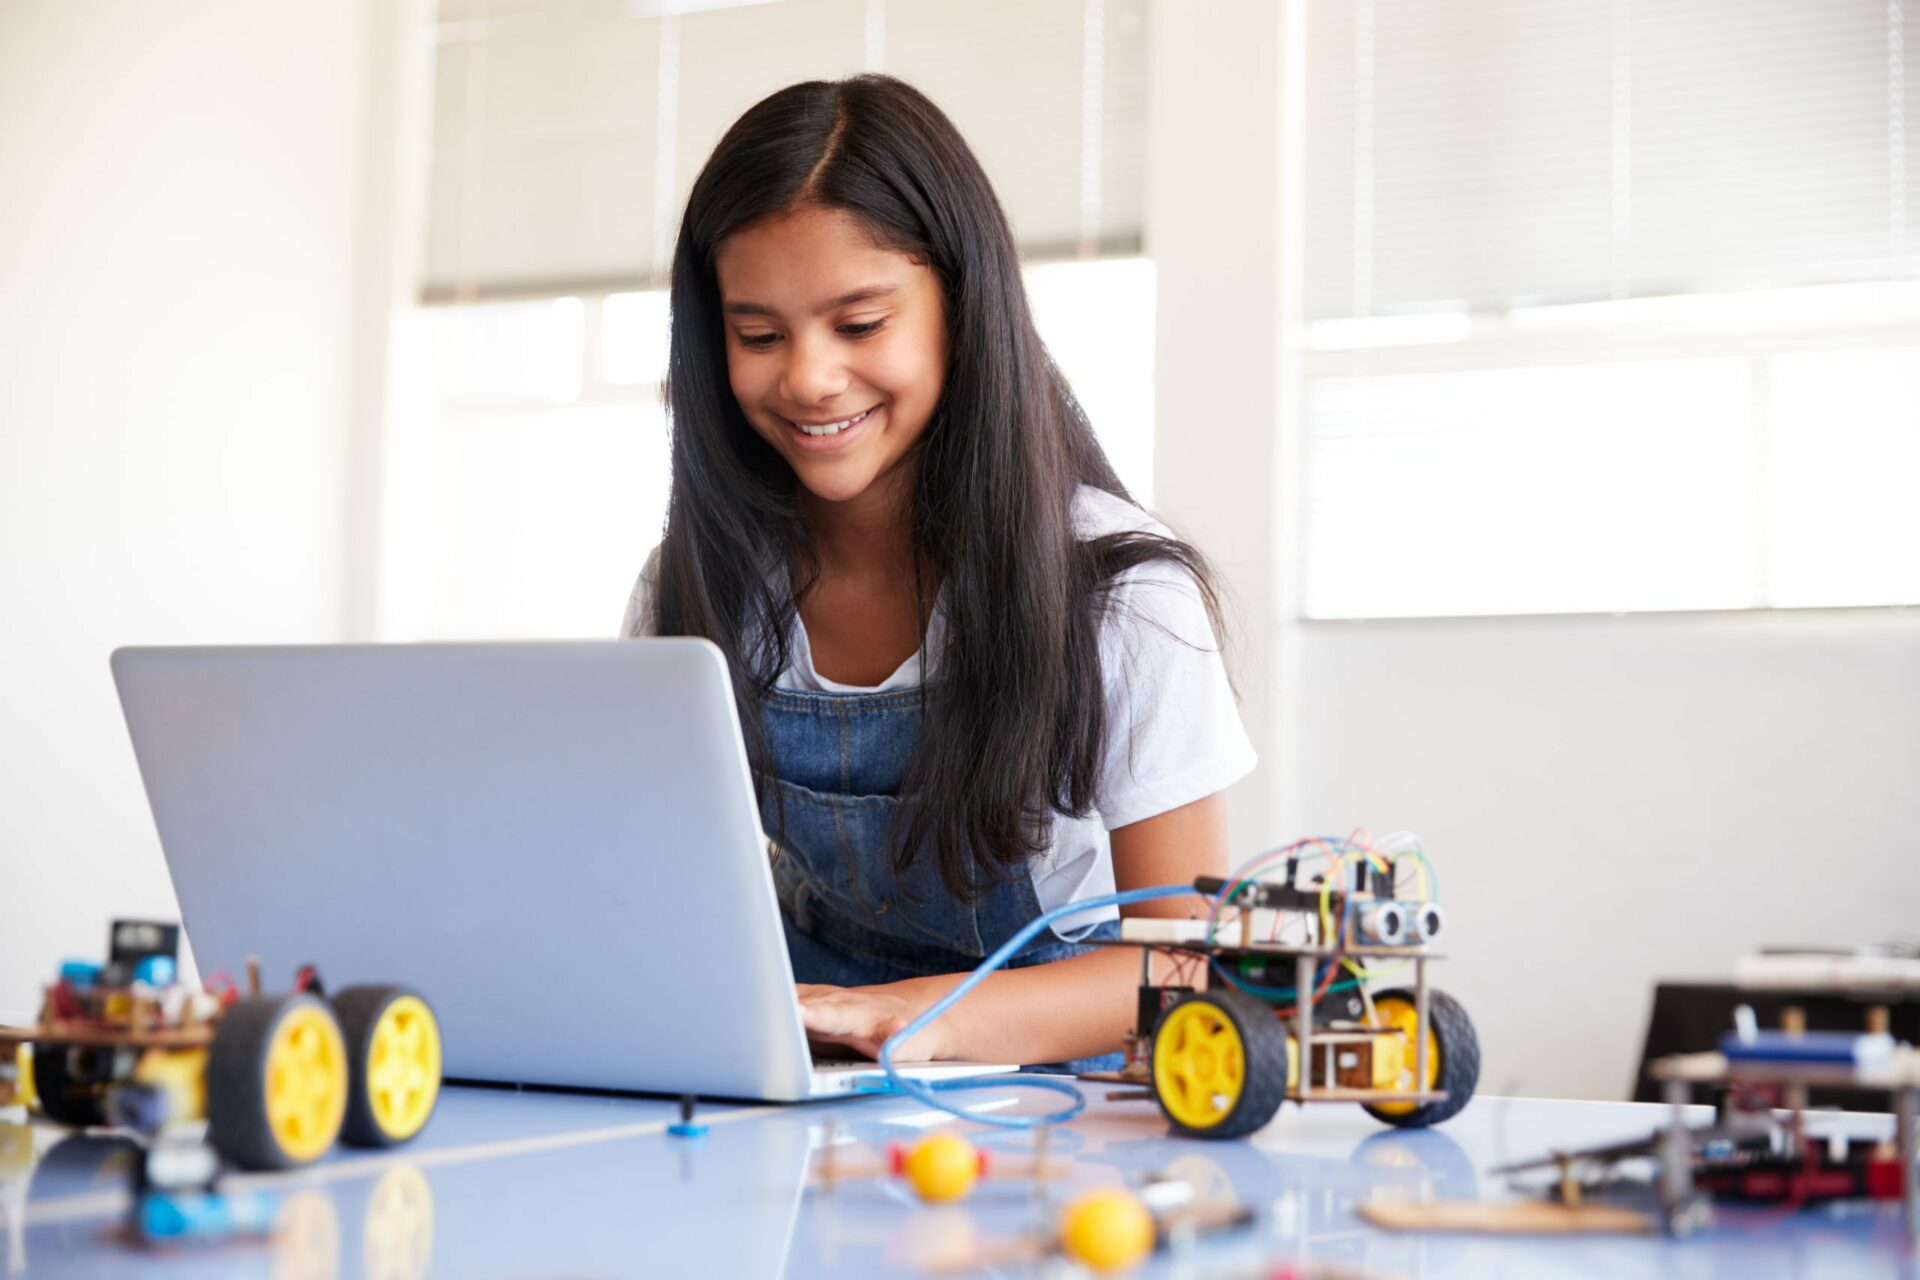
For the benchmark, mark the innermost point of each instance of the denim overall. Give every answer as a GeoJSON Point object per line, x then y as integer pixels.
{"type": "Point", "coordinates": [851, 920]}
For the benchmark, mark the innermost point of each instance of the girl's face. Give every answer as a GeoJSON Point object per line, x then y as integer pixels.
{"type": "Point", "coordinates": [836, 348]}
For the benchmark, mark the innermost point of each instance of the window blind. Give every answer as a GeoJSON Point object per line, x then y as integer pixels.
{"type": "Point", "coordinates": [567, 133]}
{"type": "Point", "coordinates": [1611, 306]}
{"type": "Point", "coordinates": [1477, 154]}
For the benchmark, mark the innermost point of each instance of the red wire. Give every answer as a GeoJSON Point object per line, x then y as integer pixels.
{"type": "Point", "coordinates": [1768, 1096]}
{"type": "Point", "coordinates": [1802, 1184]}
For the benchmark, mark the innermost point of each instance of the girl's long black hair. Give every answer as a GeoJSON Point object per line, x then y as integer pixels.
{"type": "Point", "coordinates": [1014, 713]}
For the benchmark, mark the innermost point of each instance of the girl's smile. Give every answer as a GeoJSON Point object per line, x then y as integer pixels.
{"type": "Point", "coordinates": [828, 436]}
{"type": "Point", "coordinates": [836, 346]}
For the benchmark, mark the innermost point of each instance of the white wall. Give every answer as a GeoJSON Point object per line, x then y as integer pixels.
{"type": "Point", "coordinates": [1616, 800]}
{"type": "Point", "coordinates": [1610, 801]}
{"type": "Point", "coordinates": [1213, 230]}
{"type": "Point", "coordinates": [177, 289]}
{"type": "Point", "coordinates": [190, 273]}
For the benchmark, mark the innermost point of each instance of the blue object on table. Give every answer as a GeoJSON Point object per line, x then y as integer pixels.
{"type": "Point", "coordinates": [204, 1215]}
{"type": "Point", "coordinates": [155, 971]}
{"type": "Point", "coordinates": [80, 973]}
{"type": "Point", "coordinates": [686, 1128]}
{"type": "Point", "coordinates": [1845, 1048]}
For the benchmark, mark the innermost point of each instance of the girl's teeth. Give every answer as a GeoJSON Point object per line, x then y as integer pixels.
{"type": "Point", "coordinates": [832, 428]}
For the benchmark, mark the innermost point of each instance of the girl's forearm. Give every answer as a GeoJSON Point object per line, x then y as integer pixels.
{"type": "Point", "coordinates": [1086, 1005]}
{"type": "Point", "coordinates": [1055, 1012]}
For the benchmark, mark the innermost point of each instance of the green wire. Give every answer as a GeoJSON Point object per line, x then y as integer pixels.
{"type": "Point", "coordinates": [1277, 993]}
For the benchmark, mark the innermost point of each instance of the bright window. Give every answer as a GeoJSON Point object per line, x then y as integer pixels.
{"type": "Point", "coordinates": [529, 478]}
{"type": "Point", "coordinates": [1609, 307]}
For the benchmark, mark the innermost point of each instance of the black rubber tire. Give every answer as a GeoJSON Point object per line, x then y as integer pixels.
{"type": "Point", "coordinates": [1264, 1042]}
{"type": "Point", "coordinates": [77, 1099]}
{"type": "Point", "coordinates": [237, 1081]}
{"type": "Point", "coordinates": [1458, 1047]}
{"type": "Point", "coordinates": [359, 1010]}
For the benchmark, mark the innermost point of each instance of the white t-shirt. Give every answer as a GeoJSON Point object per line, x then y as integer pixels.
{"type": "Point", "coordinates": [1173, 732]}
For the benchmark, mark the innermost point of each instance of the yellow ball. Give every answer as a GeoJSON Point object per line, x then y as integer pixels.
{"type": "Point", "coordinates": [942, 1167]}
{"type": "Point", "coordinates": [1108, 1230]}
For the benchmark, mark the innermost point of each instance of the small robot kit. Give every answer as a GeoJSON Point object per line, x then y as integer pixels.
{"type": "Point", "coordinates": [1759, 1153]}
{"type": "Point", "coordinates": [277, 1079]}
{"type": "Point", "coordinates": [1754, 1157]}
{"type": "Point", "coordinates": [1297, 1007]}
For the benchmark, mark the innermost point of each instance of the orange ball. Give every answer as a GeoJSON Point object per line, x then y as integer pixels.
{"type": "Point", "coordinates": [1109, 1230]}
{"type": "Point", "coordinates": [942, 1167]}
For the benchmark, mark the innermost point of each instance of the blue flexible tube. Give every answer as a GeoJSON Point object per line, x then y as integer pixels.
{"type": "Point", "coordinates": [926, 1091]}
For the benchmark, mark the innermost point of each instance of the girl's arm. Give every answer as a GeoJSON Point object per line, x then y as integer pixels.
{"type": "Point", "coordinates": [1073, 1008]}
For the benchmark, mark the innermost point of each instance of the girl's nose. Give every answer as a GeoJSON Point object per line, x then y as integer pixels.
{"type": "Point", "coordinates": [814, 373]}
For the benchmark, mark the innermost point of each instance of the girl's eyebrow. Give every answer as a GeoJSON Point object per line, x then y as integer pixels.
{"type": "Point", "coordinates": [866, 294]}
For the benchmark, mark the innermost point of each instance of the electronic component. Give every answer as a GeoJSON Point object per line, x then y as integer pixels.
{"type": "Point", "coordinates": [1424, 921]}
{"type": "Point", "coordinates": [1153, 1002]}
{"type": "Point", "coordinates": [132, 941]}
{"type": "Point", "coordinates": [1381, 924]}
{"type": "Point", "coordinates": [1265, 895]}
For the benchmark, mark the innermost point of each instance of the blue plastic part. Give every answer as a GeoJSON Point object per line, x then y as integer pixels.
{"type": "Point", "coordinates": [1845, 1047]}
{"type": "Point", "coordinates": [203, 1215]}
{"type": "Point", "coordinates": [686, 1128]}
{"type": "Point", "coordinates": [156, 971]}
{"type": "Point", "coordinates": [80, 973]}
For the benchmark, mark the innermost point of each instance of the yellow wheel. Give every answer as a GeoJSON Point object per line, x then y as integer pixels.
{"type": "Point", "coordinates": [1219, 1064]}
{"type": "Point", "coordinates": [305, 1082]}
{"type": "Point", "coordinates": [393, 1042]}
{"type": "Point", "coordinates": [276, 1082]}
{"type": "Point", "coordinates": [1394, 1056]}
{"type": "Point", "coordinates": [25, 1091]}
{"type": "Point", "coordinates": [1453, 1057]}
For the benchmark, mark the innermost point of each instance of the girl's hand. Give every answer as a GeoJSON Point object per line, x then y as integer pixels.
{"type": "Point", "coordinates": [863, 1018]}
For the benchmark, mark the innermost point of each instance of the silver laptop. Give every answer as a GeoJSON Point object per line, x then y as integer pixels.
{"type": "Point", "coordinates": [556, 843]}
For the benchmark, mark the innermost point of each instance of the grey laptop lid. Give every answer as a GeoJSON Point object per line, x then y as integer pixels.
{"type": "Point", "coordinates": [556, 843]}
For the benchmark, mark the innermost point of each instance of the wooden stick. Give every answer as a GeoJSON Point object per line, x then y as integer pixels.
{"type": "Point", "coordinates": [1522, 1217]}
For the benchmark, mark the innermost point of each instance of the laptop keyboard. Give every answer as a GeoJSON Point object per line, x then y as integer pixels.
{"type": "Point", "coordinates": [823, 1063]}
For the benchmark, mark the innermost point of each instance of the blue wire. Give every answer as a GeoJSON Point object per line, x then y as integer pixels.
{"type": "Point", "coordinates": [925, 1091]}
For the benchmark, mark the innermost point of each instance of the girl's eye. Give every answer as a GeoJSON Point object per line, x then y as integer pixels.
{"type": "Point", "coordinates": [764, 341]}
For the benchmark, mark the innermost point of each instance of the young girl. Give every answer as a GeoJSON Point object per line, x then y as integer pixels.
{"type": "Point", "coordinates": [977, 682]}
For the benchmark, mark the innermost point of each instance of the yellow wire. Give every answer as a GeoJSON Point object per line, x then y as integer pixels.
{"type": "Point", "coordinates": [1326, 914]}
{"type": "Point", "coordinates": [1426, 877]}
{"type": "Point", "coordinates": [1336, 873]}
